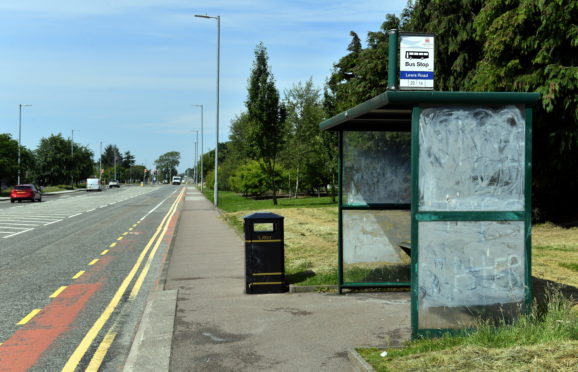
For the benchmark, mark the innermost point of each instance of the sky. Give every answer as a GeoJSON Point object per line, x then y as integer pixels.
{"type": "Point", "coordinates": [128, 72]}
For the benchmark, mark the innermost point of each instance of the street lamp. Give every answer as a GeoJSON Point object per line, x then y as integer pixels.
{"type": "Point", "coordinates": [72, 160]}
{"type": "Point", "coordinates": [100, 165]}
{"type": "Point", "coordinates": [19, 136]}
{"type": "Point", "coordinates": [201, 106]}
{"type": "Point", "coordinates": [195, 155]}
{"type": "Point", "coordinates": [218, 18]}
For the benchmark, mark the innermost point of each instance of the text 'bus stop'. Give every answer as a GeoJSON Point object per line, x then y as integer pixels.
{"type": "Point", "coordinates": [435, 193]}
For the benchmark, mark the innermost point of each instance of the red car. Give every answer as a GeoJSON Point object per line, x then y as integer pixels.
{"type": "Point", "coordinates": [25, 192]}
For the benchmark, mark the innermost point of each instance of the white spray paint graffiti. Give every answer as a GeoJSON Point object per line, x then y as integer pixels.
{"type": "Point", "coordinates": [471, 263]}
{"type": "Point", "coordinates": [471, 158]}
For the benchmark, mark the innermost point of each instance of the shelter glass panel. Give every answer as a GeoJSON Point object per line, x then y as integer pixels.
{"type": "Point", "coordinates": [371, 246]}
{"type": "Point", "coordinates": [468, 270]}
{"type": "Point", "coordinates": [471, 158]}
{"type": "Point", "coordinates": [376, 168]}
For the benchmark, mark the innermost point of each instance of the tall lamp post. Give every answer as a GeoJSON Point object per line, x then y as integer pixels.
{"type": "Point", "coordinates": [100, 165]}
{"type": "Point", "coordinates": [19, 136]}
{"type": "Point", "coordinates": [72, 160]}
{"type": "Point", "coordinates": [195, 155]}
{"type": "Point", "coordinates": [218, 18]}
{"type": "Point", "coordinates": [201, 106]}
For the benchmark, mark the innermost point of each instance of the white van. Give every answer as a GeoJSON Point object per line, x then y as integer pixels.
{"type": "Point", "coordinates": [93, 184]}
{"type": "Point", "coordinates": [176, 180]}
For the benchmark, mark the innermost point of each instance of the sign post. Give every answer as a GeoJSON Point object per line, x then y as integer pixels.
{"type": "Point", "coordinates": [416, 61]}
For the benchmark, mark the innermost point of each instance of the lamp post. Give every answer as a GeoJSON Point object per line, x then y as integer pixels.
{"type": "Point", "coordinates": [201, 106]}
{"type": "Point", "coordinates": [19, 136]}
{"type": "Point", "coordinates": [195, 155]}
{"type": "Point", "coordinates": [218, 18]}
{"type": "Point", "coordinates": [100, 165]}
{"type": "Point", "coordinates": [72, 160]}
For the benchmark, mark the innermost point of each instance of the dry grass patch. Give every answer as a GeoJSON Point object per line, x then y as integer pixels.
{"type": "Point", "coordinates": [553, 248]}
{"type": "Point", "coordinates": [311, 244]}
{"type": "Point", "coordinates": [310, 238]}
{"type": "Point", "coordinates": [554, 356]}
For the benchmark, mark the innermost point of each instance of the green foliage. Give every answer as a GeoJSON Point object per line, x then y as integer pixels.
{"type": "Point", "coordinates": [557, 324]}
{"type": "Point", "coordinates": [58, 159]}
{"type": "Point", "coordinates": [361, 74]}
{"type": "Point", "coordinates": [128, 160]}
{"type": "Point", "coordinates": [230, 201]}
{"type": "Point", "coordinates": [534, 48]}
{"type": "Point", "coordinates": [9, 161]}
{"type": "Point", "coordinates": [266, 115]}
{"type": "Point", "coordinates": [250, 179]}
{"type": "Point", "coordinates": [307, 156]}
{"type": "Point", "coordinates": [490, 45]}
{"type": "Point", "coordinates": [457, 49]}
{"type": "Point", "coordinates": [167, 165]}
{"type": "Point", "coordinates": [570, 266]}
{"type": "Point", "coordinates": [111, 157]}
{"type": "Point", "coordinates": [253, 179]}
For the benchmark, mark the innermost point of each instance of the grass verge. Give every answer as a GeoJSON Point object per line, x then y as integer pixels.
{"type": "Point", "coordinates": [310, 233]}
{"type": "Point", "coordinates": [311, 239]}
{"type": "Point", "coordinates": [233, 202]}
{"type": "Point", "coordinates": [541, 341]}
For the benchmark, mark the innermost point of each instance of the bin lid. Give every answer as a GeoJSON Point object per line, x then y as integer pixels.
{"type": "Point", "coordinates": [263, 216]}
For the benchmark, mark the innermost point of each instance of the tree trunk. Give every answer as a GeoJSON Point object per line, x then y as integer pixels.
{"type": "Point", "coordinates": [333, 187]}
{"type": "Point", "coordinates": [297, 182]}
{"type": "Point", "coordinates": [289, 188]}
{"type": "Point", "coordinates": [273, 186]}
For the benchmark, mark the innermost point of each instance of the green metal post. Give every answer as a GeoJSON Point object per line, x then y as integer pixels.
{"type": "Point", "coordinates": [392, 65]}
{"type": "Point", "coordinates": [414, 222]}
{"type": "Point", "coordinates": [340, 218]}
{"type": "Point", "coordinates": [528, 208]}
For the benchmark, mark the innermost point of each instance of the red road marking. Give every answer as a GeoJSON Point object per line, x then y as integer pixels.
{"type": "Point", "coordinates": [24, 348]}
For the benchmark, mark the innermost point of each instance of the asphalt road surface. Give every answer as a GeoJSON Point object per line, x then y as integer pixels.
{"type": "Point", "coordinates": [75, 273]}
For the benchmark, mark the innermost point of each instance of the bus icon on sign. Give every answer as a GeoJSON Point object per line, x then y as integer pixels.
{"type": "Point", "coordinates": [416, 55]}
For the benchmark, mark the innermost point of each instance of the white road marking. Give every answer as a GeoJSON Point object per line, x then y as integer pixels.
{"type": "Point", "coordinates": [50, 223]}
{"type": "Point", "coordinates": [18, 233]}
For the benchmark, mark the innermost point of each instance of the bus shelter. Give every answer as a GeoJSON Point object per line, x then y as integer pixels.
{"type": "Point", "coordinates": [434, 194]}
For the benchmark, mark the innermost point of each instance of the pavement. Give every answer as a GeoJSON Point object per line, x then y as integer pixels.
{"type": "Point", "coordinates": [200, 319]}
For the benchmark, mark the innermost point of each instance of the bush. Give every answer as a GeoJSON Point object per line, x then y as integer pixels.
{"type": "Point", "coordinates": [250, 179]}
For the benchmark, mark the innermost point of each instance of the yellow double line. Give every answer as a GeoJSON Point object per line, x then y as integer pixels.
{"type": "Point", "coordinates": [88, 339]}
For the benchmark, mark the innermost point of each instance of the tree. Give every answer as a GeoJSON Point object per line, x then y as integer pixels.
{"type": "Point", "coordinates": [491, 45]}
{"type": "Point", "coordinates": [167, 164]}
{"type": "Point", "coordinates": [303, 153]}
{"type": "Point", "coordinates": [361, 74]}
{"type": "Point", "coordinates": [111, 156]}
{"type": "Point", "coordinates": [9, 161]}
{"type": "Point", "coordinates": [250, 179]}
{"type": "Point", "coordinates": [266, 115]}
{"type": "Point", "coordinates": [534, 48]}
{"type": "Point", "coordinates": [82, 164]}
{"type": "Point", "coordinates": [56, 165]}
{"type": "Point", "coordinates": [128, 160]}
{"type": "Point", "coordinates": [457, 48]}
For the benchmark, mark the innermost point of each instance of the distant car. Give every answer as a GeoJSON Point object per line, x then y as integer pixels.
{"type": "Point", "coordinates": [176, 180]}
{"type": "Point", "coordinates": [93, 184]}
{"type": "Point", "coordinates": [25, 192]}
{"type": "Point", "coordinates": [113, 183]}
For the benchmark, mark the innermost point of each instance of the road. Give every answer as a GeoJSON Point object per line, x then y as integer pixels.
{"type": "Point", "coordinates": [75, 273]}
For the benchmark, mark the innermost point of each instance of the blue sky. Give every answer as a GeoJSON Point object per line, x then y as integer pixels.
{"type": "Point", "coordinates": [126, 72]}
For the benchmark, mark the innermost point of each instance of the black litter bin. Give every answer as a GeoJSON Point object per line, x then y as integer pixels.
{"type": "Point", "coordinates": [264, 253]}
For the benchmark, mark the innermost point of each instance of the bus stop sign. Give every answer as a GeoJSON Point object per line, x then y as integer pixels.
{"type": "Point", "coordinates": [416, 61]}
